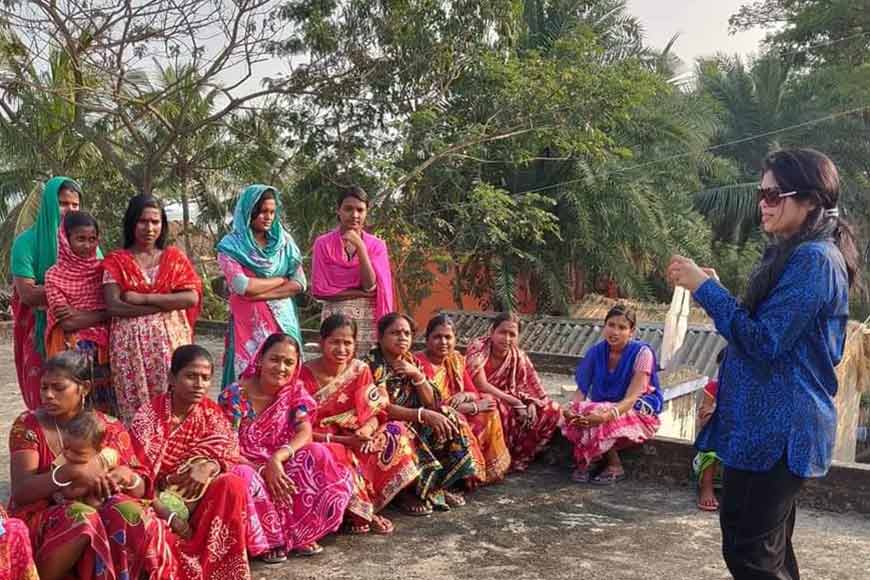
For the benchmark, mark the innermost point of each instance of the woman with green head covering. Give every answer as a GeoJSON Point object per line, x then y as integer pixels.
{"type": "Point", "coordinates": [263, 270]}
{"type": "Point", "coordinates": [33, 253]}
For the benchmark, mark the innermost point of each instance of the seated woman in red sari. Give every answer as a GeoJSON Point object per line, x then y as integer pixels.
{"type": "Point", "coordinates": [618, 400]}
{"type": "Point", "coordinates": [16, 554]}
{"type": "Point", "coordinates": [76, 314]}
{"type": "Point", "coordinates": [189, 447]}
{"type": "Point", "coordinates": [153, 295]}
{"type": "Point", "coordinates": [528, 416]}
{"type": "Point", "coordinates": [445, 367]}
{"type": "Point", "coordinates": [446, 450]}
{"type": "Point", "coordinates": [303, 489]}
{"type": "Point", "coordinates": [351, 419]}
{"type": "Point", "coordinates": [120, 539]}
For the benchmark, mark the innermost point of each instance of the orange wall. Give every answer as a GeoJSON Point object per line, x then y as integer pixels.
{"type": "Point", "coordinates": [441, 298]}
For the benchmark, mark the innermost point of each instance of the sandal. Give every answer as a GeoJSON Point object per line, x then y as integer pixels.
{"type": "Point", "coordinates": [311, 549]}
{"type": "Point", "coordinates": [416, 508]}
{"type": "Point", "coordinates": [454, 499]}
{"type": "Point", "coordinates": [276, 556]}
{"type": "Point", "coordinates": [709, 505]}
{"type": "Point", "coordinates": [382, 526]}
{"type": "Point", "coordinates": [581, 475]}
{"type": "Point", "coordinates": [607, 477]}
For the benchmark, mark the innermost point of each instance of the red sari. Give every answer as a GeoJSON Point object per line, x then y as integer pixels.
{"type": "Point", "coordinates": [16, 555]}
{"type": "Point", "coordinates": [125, 539]}
{"type": "Point", "coordinates": [453, 378]}
{"type": "Point", "coordinates": [347, 403]}
{"type": "Point", "coordinates": [217, 550]}
{"type": "Point", "coordinates": [517, 377]}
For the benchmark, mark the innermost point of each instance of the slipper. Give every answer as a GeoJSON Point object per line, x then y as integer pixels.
{"type": "Point", "coordinates": [276, 556]}
{"type": "Point", "coordinates": [420, 510]}
{"type": "Point", "coordinates": [607, 478]}
{"type": "Point", "coordinates": [454, 499]}
{"type": "Point", "coordinates": [382, 526]}
{"type": "Point", "coordinates": [707, 507]}
{"type": "Point", "coordinates": [581, 476]}
{"type": "Point", "coordinates": [309, 550]}
{"type": "Point", "coordinates": [359, 529]}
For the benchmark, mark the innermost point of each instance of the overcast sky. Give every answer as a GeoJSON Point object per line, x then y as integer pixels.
{"type": "Point", "coordinates": [702, 24]}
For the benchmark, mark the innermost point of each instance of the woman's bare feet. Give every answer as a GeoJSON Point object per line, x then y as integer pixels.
{"type": "Point", "coordinates": [706, 496]}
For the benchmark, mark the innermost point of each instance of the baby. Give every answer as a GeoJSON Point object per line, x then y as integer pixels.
{"type": "Point", "coordinates": [82, 442]}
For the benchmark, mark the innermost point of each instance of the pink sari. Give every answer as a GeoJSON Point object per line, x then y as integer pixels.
{"type": "Point", "coordinates": [332, 272]}
{"type": "Point", "coordinates": [16, 556]}
{"type": "Point", "coordinates": [323, 485]}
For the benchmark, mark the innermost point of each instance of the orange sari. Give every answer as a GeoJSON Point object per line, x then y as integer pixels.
{"type": "Point", "coordinates": [345, 404]}
{"type": "Point", "coordinates": [453, 378]}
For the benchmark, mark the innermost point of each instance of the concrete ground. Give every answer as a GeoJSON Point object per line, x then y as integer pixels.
{"type": "Point", "coordinates": [540, 525]}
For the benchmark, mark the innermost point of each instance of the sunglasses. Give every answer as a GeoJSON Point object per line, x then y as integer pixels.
{"type": "Point", "coordinates": [772, 196]}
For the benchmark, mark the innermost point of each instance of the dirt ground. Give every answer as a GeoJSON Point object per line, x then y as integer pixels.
{"type": "Point", "coordinates": [540, 525]}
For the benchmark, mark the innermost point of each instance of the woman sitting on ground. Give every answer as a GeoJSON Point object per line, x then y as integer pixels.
{"type": "Point", "coordinates": [302, 489]}
{"type": "Point", "coordinates": [617, 402]}
{"type": "Point", "coordinates": [77, 317]}
{"type": "Point", "coordinates": [528, 416]}
{"type": "Point", "coordinates": [351, 419]}
{"type": "Point", "coordinates": [445, 367]}
{"type": "Point", "coordinates": [70, 537]}
{"type": "Point", "coordinates": [446, 445]}
{"type": "Point", "coordinates": [189, 448]}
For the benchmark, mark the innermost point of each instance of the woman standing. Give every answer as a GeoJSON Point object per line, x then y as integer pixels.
{"type": "Point", "coordinates": [33, 253]}
{"type": "Point", "coordinates": [352, 420]}
{"type": "Point", "coordinates": [618, 399]}
{"type": "Point", "coordinates": [263, 270]}
{"type": "Point", "coordinates": [189, 450]}
{"type": "Point", "coordinates": [153, 295]}
{"type": "Point", "coordinates": [304, 489]}
{"type": "Point", "coordinates": [446, 368]}
{"type": "Point", "coordinates": [350, 269]}
{"type": "Point", "coordinates": [77, 317]}
{"type": "Point", "coordinates": [71, 537]}
{"type": "Point", "coordinates": [775, 421]}
{"type": "Point", "coordinates": [528, 416]}
{"type": "Point", "coordinates": [447, 451]}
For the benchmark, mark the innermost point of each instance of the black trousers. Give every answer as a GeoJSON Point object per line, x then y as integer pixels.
{"type": "Point", "coordinates": [757, 515]}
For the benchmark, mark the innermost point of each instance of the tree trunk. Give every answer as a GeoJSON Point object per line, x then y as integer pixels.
{"type": "Point", "coordinates": [185, 218]}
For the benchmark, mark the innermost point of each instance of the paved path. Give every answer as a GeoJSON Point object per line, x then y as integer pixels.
{"type": "Point", "coordinates": [539, 525]}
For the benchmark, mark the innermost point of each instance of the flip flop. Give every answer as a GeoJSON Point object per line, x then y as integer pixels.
{"type": "Point", "coordinates": [278, 556]}
{"type": "Point", "coordinates": [422, 509]}
{"type": "Point", "coordinates": [606, 478]}
{"type": "Point", "coordinates": [454, 499]}
{"type": "Point", "coordinates": [708, 508]}
{"type": "Point", "coordinates": [309, 550]}
{"type": "Point", "coordinates": [359, 529]}
{"type": "Point", "coordinates": [382, 526]}
{"type": "Point", "coordinates": [581, 476]}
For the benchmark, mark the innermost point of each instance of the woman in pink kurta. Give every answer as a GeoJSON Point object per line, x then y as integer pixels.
{"type": "Point", "coordinates": [350, 270]}
{"type": "Point", "coordinates": [300, 490]}
{"type": "Point", "coordinates": [263, 269]}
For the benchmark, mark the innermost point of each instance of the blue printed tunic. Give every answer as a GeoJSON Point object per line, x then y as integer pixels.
{"type": "Point", "coordinates": [777, 382]}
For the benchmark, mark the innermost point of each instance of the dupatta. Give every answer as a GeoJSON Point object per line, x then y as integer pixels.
{"type": "Point", "coordinates": [516, 375]}
{"type": "Point", "coordinates": [456, 378]}
{"type": "Point", "coordinates": [174, 274]}
{"type": "Point", "coordinates": [599, 384]}
{"type": "Point", "coordinates": [349, 400]}
{"type": "Point", "coordinates": [332, 273]}
{"type": "Point", "coordinates": [78, 282]}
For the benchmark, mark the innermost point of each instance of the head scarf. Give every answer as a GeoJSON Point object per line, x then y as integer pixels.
{"type": "Point", "coordinates": [40, 241]}
{"type": "Point", "coordinates": [80, 281]}
{"type": "Point", "coordinates": [280, 257]}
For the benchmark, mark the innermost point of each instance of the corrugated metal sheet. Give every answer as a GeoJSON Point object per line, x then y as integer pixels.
{"type": "Point", "coordinates": [548, 335]}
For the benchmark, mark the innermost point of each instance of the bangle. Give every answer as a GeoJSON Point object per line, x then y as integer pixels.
{"type": "Point", "coordinates": [420, 414]}
{"type": "Point", "coordinates": [615, 412]}
{"type": "Point", "coordinates": [420, 382]}
{"type": "Point", "coordinates": [476, 408]}
{"type": "Point", "coordinates": [328, 438]}
{"type": "Point", "coordinates": [289, 448]}
{"type": "Point", "coordinates": [134, 483]}
{"type": "Point", "coordinates": [54, 478]}
{"type": "Point", "coordinates": [260, 470]}
{"type": "Point", "coordinates": [169, 519]}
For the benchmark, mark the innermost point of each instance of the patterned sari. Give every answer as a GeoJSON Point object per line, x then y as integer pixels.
{"type": "Point", "coordinates": [443, 462]}
{"type": "Point", "coordinates": [16, 555]}
{"type": "Point", "coordinates": [451, 379]}
{"type": "Point", "coordinates": [125, 539]}
{"type": "Point", "coordinates": [517, 377]}
{"type": "Point", "coordinates": [141, 347]}
{"type": "Point", "coordinates": [217, 548]}
{"type": "Point", "coordinates": [323, 485]}
{"type": "Point", "coordinates": [34, 251]}
{"type": "Point", "coordinates": [345, 404]}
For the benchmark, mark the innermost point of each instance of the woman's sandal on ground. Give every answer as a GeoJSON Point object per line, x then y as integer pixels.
{"type": "Point", "coordinates": [276, 556]}
{"type": "Point", "coordinates": [607, 477]}
{"type": "Point", "coordinates": [454, 499]}
{"type": "Point", "coordinates": [708, 505]}
{"type": "Point", "coordinates": [311, 549]}
{"type": "Point", "coordinates": [415, 507]}
{"type": "Point", "coordinates": [381, 525]}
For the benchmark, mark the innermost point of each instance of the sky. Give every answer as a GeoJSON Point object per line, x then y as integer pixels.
{"type": "Point", "coordinates": [702, 25]}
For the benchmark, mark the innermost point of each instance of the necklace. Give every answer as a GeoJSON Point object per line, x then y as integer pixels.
{"type": "Point", "coordinates": [59, 435]}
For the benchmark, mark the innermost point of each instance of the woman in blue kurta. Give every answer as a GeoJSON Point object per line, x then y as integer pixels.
{"type": "Point", "coordinates": [618, 399]}
{"type": "Point", "coordinates": [775, 421]}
